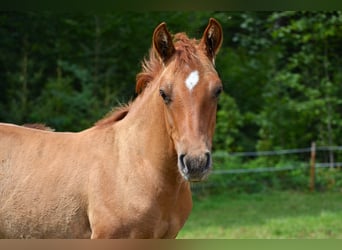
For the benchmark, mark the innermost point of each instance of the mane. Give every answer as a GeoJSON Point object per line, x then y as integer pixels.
{"type": "Point", "coordinates": [38, 126]}
{"type": "Point", "coordinates": [114, 115]}
{"type": "Point", "coordinates": [152, 66]}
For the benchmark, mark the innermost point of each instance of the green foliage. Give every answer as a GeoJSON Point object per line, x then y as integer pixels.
{"type": "Point", "coordinates": [259, 179]}
{"type": "Point", "coordinates": [228, 121]}
{"type": "Point", "coordinates": [281, 73]}
{"type": "Point", "coordinates": [70, 69]}
{"type": "Point", "coordinates": [58, 100]}
{"type": "Point", "coordinates": [254, 174]}
{"type": "Point", "coordinates": [303, 93]}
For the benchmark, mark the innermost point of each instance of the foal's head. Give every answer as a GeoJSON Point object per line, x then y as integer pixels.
{"type": "Point", "coordinates": [189, 87]}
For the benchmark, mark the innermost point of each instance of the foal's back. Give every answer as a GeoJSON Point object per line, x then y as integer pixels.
{"type": "Point", "coordinates": [42, 187]}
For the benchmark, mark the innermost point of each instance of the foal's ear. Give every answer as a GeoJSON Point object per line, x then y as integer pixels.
{"type": "Point", "coordinates": [212, 38]}
{"type": "Point", "coordinates": [162, 42]}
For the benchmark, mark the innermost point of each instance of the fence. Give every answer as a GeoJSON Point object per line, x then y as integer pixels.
{"type": "Point", "coordinates": [305, 160]}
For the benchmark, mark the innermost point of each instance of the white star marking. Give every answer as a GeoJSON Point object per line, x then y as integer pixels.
{"type": "Point", "coordinates": [192, 80]}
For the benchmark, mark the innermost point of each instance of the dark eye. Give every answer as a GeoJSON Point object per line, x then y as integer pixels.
{"type": "Point", "coordinates": [218, 91]}
{"type": "Point", "coordinates": [166, 98]}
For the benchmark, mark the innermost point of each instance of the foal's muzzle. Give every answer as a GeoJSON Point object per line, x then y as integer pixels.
{"type": "Point", "coordinates": [194, 167]}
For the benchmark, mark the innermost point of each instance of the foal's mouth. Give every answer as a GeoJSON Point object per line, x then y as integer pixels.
{"type": "Point", "coordinates": [195, 168]}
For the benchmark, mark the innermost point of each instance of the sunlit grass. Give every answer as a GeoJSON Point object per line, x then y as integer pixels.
{"type": "Point", "coordinates": [267, 215]}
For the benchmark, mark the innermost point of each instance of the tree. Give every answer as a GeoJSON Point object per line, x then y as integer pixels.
{"type": "Point", "coordinates": [303, 92]}
{"type": "Point", "coordinates": [280, 71]}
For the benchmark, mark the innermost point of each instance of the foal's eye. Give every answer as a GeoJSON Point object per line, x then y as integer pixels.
{"type": "Point", "coordinates": [165, 97]}
{"type": "Point", "coordinates": [218, 91]}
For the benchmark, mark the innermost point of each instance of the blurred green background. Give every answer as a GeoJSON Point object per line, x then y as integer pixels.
{"type": "Point", "coordinates": [281, 71]}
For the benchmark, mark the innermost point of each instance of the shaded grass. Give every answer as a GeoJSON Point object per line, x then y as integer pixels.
{"type": "Point", "coordinates": [265, 215]}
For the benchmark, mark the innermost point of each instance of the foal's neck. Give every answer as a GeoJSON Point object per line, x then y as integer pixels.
{"type": "Point", "coordinates": [150, 144]}
{"type": "Point", "coordinates": [148, 131]}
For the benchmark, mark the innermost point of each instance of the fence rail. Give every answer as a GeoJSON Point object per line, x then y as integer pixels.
{"type": "Point", "coordinates": [278, 152]}
{"type": "Point", "coordinates": [310, 161]}
{"type": "Point", "coordinates": [274, 169]}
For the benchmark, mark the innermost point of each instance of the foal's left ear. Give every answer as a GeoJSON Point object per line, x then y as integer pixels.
{"type": "Point", "coordinates": [212, 38]}
{"type": "Point", "coordinates": [162, 42]}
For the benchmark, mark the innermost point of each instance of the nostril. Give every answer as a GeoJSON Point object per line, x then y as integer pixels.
{"type": "Point", "coordinates": [181, 159]}
{"type": "Point", "coordinates": [208, 156]}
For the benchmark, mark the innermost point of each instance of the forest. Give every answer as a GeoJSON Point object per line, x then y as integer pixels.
{"type": "Point", "coordinates": [281, 71]}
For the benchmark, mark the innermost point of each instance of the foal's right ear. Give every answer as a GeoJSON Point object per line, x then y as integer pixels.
{"type": "Point", "coordinates": [162, 42]}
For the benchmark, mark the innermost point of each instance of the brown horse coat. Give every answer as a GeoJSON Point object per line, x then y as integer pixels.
{"type": "Point", "coordinates": [127, 176]}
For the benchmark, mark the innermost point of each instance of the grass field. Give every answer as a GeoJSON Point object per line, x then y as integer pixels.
{"type": "Point", "coordinates": [278, 215]}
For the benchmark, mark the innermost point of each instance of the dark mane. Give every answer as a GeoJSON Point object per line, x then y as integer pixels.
{"type": "Point", "coordinates": [115, 115]}
{"type": "Point", "coordinates": [151, 66]}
